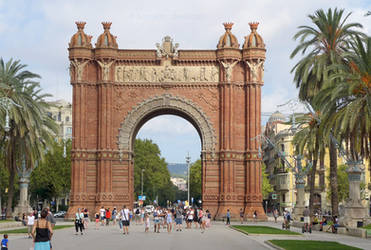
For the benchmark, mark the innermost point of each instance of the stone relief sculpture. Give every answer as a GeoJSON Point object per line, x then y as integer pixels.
{"type": "Point", "coordinates": [79, 68]}
{"type": "Point", "coordinates": [228, 67]}
{"type": "Point", "coordinates": [254, 69]}
{"type": "Point", "coordinates": [166, 74]}
{"type": "Point", "coordinates": [105, 66]}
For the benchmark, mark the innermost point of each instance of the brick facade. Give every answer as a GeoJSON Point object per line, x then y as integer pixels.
{"type": "Point", "coordinates": [115, 91]}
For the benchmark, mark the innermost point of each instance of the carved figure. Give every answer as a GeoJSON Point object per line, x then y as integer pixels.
{"type": "Point", "coordinates": [105, 66]}
{"type": "Point", "coordinates": [254, 67]}
{"type": "Point", "coordinates": [228, 67]}
{"type": "Point", "coordinates": [79, 68]}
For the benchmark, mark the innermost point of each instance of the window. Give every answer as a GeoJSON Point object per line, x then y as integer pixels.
{"type": "Point", "coordinates": [69, 130]}
{"type": "Point", "coordinates": [59, 116]}
{"type": "Point", "coordinates": [49, 114]}
{"type": "Point", "coordinates": [67, 118]}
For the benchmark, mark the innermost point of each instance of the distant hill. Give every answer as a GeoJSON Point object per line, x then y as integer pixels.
{"type": "Point", "coordinates": [177, 169]}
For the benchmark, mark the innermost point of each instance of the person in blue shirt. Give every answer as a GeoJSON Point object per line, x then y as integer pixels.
{"type": "Point", "coordinates": [228, 217]}
{"type": "Point", "coordinates": [4, 242]}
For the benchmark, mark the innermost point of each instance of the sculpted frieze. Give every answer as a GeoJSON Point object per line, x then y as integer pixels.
{"type": "Point", "coordinates": [166, 73]}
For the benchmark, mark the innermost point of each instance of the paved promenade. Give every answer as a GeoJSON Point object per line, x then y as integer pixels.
{"type": "Point", "coordinates": [217, 237]}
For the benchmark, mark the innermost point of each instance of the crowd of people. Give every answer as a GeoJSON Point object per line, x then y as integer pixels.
{"type": "Point", "coordinates": [171, 218]}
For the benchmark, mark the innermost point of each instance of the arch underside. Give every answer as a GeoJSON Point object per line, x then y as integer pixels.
{"type": "Point", "coordinates": [166, 104]}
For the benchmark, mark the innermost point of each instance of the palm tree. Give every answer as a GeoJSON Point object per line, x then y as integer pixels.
{"type": "Point", "coordinates": [326, 42]}
{"type": "Point", "coordinates": [31, 130]}
{"type": "Point", "coordinates": [349, 100]}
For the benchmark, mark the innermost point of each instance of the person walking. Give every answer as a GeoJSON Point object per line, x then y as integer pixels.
{"type": "Point", "coordinates": [146, 223]}
{"type": "Point", "coordinates": [114, 215]}
{"type": "Point", "coordinates": [125, 218]}
{"type": "Point", "coordinates": [79, 216]}
{"type": "Point", "coordinates": [275, 215]}
{"type": "Point", "coordinates": [156, 220]}
{"type": "Point", "coordinates": [102, 212]}
{"type": "Point", "coordinates": [228, 217]}
{"type": "Point", "coordinates": [86, 218]}
{"type": "Point", "coordinates": [195, 217]}
{"type": "Point", "coordinates": [108, 216]}
{"type": "Point", "coordinates": [241, 215]}
{"type": "Point", "coordinates": [30, 222]}
{"type": "Point", "coordinates": [208, 221]}
{"type": "Point", "coordinates": [5, 242]}
{"type": "Point", "coordinates": [203, 218]}
{"type": "Point", "coordinates": [96, 221]}
{"type": "Point", "coordinates": [255, 215]}
{"type": "Point", "coordinates": [169, 221]}
{"type": "Point", "coordinates": [179, 218]}
{"type": "Point", "coordinates": [42, 232]}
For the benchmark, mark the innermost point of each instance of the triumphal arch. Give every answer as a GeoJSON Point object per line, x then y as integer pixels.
{"type": "Point", "coordinates": [115, 91]}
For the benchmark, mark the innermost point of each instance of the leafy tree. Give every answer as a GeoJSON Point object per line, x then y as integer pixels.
{"type": "Point", "coordinates": [343, 186]}
{"type": "Point", "coordinates": [195, 181]}
{"type": "Point", "coordinates": [326, 42]}
{"type": "Point", "coordinates": [52, 178]}
{"type": "Point", "coordinates": [156, 176]}
{"type": "Point", "coordinates": [31, 130]}
{"type": "Point", "coordinates": [267, 187]}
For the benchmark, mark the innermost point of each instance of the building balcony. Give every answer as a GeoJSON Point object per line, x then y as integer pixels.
{"type": "Point", "coordinates": [283, 182]}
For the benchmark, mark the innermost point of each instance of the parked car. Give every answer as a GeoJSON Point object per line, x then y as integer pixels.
{"type": "Point", "coordinates": [60, 214]}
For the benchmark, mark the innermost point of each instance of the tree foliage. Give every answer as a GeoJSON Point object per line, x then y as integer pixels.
{"type": "Point", "coordinates": [156, 176]}
{"type": "Point", "coordinates": [195, 180]}
{"type": "Point", "coordinates": [266, 186]}
{"type": "Point", "coordinates": [52, 177]}
{"type": "Point", "coordinates": [343, 186]}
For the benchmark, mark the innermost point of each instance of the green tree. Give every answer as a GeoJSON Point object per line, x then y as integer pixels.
{"type": "Point", "coordinates": [31, 130]}
{"type": "Point", "coordinates": [195, 180]}
{"type": "Point", "coordinates": [266, 186]}
{"type": "Point", "coordinates": [343, 186]}
{"type": "Point", "coordinates": [52, 177]}
{"type": "Point", "coordinates": [326, 42]}
{"type": "Point", "coordinates": [156, 176]}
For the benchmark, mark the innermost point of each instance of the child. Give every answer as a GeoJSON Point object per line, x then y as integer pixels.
{"type": "Point", "coordinates": [4, 243]}
{"type": "Point", "coordinates": [146, 222]}
{"type": "Point", "coordinates": [96, 221]}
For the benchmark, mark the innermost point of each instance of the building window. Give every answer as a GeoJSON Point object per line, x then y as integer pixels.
{"type": "Point", "coordinates": [69, 130]}
{"type": "Point", "coordinates": [49, 114]}
{"type": "Point", "coordinates": [54, 118]}
{"type": "Point", "coordinates": [67, 118]}
{"type": "Point", "coordinates": [283, 197]}
{"type": "Point", "coordinates": [59, 116]}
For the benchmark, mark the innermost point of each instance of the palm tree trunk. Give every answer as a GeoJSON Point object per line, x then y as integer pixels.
{"type": "Point", "coordinates": [313, 178]}
{"type": "Point", "coordinates": [334, 180]}
{"type": "Point", "coordinates": [12, 173]}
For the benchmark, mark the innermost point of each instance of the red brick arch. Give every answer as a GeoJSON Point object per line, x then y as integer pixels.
{"type": "Point", "coordinates": [115, 91]}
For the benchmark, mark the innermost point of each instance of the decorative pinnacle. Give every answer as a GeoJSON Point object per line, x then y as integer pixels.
{"type": "Point", "coordinates": [80, 25]}
{"type": "Point", "coordinates": [106, 25]}
{"type": "Point", "coordinates": [228, 26]}
{"type": "Point", "coordinates": [254, 26]}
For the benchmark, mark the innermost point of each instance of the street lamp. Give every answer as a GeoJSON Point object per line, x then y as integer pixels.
{"type": "Point", "coordinates": [6, 102]}
{"type": "Point", "coordinates": [188, 160]}
{"type": "Point", "coordinates": [142, 180]}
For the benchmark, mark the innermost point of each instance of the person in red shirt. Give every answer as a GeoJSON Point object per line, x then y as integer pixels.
{"type": "Point", "coordinates": [108, 216]}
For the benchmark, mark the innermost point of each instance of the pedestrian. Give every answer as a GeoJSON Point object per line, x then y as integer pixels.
{"type": "Point", "coordinates": [42, 232]}
{"type": "Point", "coordinates": [169, 221]}
{"type": "Point", "coordinates": [114, 215]}
{"type": "Point", "coordinates": [79, 216]}
{"type": "Point", "coordinates": [125, 217]}
{"type": "Point", "coordinates": [5, 242]}
{"type": "Point", "coordinates": [190, 218]}
{"type": "Point", "coordinates": [86, 218]}
{"type": "Point", "coordinates": [142, 216]}
{"type": "Point", "coordinates": [195, 217]}
{"type": "Point", "coordinates": [30, 222]}
{"type": "Point", "coordinates": [178, 218]}
{"type": "Point", "coordinates": [102, 212]}
{"type": "Point", "coordinates": [146, 223]}
{"type": "Point", "coordinates": [255, 215]}
{"type": "Point", "coordinates": [275, 215]}
{"type": "Point", "coordinates": [241, 215]}
{"type": "Point", "coordinates": [50, 218]}
{"type": "Point", "coordinates": [156, 220]}
{"type": "Point", "coordinates": [208, 221]}
{"type": "Point", "coordinates": [228, 217]}
{"type": "Point", "coordinates": [108, 216]}
{"type": "Point", "coordinates": [137, 216]}
{"type": "Point", "coordinates": [24, 219]}
{"type": "Point", "coordinates": [96, 221]}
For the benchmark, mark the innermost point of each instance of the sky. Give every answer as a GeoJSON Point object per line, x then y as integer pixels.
{"type": "Point", "coordinates": [38, 33]}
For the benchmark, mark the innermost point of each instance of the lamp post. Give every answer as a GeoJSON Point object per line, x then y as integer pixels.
{"type": "Point", "coordinates": [6, 102]}
{"type": "Point", "coordinates": [142, 179]}
{"type": "Point", "coordinates": [188, 160]}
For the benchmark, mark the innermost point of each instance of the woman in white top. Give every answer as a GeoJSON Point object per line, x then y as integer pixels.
{"type": "Point", "coordinates": [79, 216]}
{"type": "Point", "coordinates": [30, 222]}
